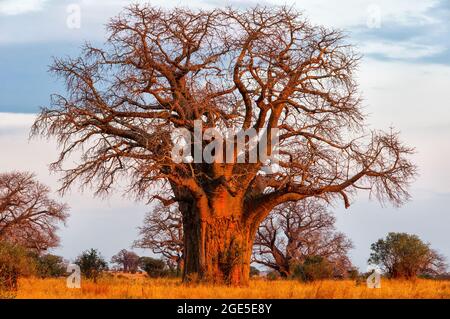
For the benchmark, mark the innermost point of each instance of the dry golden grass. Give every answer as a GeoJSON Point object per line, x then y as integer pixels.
{"type": "Point", "coordinates": [141, 287]}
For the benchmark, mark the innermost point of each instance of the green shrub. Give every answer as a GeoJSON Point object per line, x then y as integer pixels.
{"type": "Point", "coordinates": [254, 272]}
{"type": "Point", "coordinates": [51, 266]}
{"type": "Point", "coordinates": [91, 264]}
{"type": "Point", "coordinates": [273, 275]}
{"type": "Point", "coordinates": [153, 267]}
{"type": "Point", "coordinates": [15, 261]}
{"type": "Point", "coordinates": [313, 268]}
{"type": "Point", "coordinates": [353, 273]}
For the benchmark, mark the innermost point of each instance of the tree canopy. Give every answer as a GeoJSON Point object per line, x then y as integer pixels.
{"type": "Point", "coordinates": [405, 255]}
{"type": "Point", "coordinates": [28, 216]}
{"type": "Point", "coordinates": [265, 69]}
{"type": "Point", "coordinates": [298, 232]}
{"type": "Point", "coordinates": [91, 263]}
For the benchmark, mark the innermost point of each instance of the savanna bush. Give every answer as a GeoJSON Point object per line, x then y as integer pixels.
{"type": "Point", "coordinates": [15, 261]}
{"type": "Point", "coordinates": [273, 275]}
{"type": "Point", "coordinates": [50, 266]}
{"type": "Point", "coordinates": [154, 267]}
{"type": "Point", "coordinates": [91, 264]}
{"type": "Point", "coordinates": [313, 268]}
{"type": "Point", "coordinates": [254, 272]}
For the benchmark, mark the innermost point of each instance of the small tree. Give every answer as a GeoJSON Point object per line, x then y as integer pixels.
{"type": "Point", "coordinates": [403, 255]}
{"type": "Point", "coordinates": [153, 267]}
{"type": "Point", "coordinates": [162, 232]}
{"type": "Point", "coordinates": [296, 231]}
{"type": "Point", "coordinates": [128, 261]}
{"type": "Point", "coordinates": [28, 216]}
{"type": "Point", "coordinates": [51, 266]}
{"type": "Point", "coordinates": [15, 261]}
{"type": "Point", "coordinates": [91, 263]}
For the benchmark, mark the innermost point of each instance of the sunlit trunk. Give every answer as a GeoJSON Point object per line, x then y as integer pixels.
{"type": "Point", "coordinates": [218, 247]}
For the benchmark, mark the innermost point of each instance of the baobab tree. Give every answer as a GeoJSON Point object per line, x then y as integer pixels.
{"type": "Point", "coordinates": [296, 231]}
{"type": "Point", "coordinates": [162, 233]}
{"type": "Point", "coordinates": [28, 216]}
{"type": "Point", "coordinates": [261, 69]}
{"type": "Point", "coordinates": [128, 261]}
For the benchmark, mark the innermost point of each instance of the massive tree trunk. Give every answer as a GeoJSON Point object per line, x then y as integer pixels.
{"type": "Point", "coordinates": [218, 241]}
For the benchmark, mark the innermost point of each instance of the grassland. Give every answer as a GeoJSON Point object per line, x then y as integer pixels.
{"type": "Point", "coordinates": [141, 287]}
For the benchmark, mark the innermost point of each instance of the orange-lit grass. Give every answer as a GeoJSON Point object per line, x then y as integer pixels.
{"type": "Point", "coordinates": [142, 287]}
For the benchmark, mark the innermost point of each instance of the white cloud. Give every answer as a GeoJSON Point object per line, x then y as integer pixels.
{"type": "Point", "coordinates": [413, 99]}
{"type": "Point", "coordinates": [348, 13]}
{"type": "Point", "coordinates": [94, 14]}
{"type": "Point", "coordinates": [16, 7]}
{"type": "Point", "coordinates": [15, 120]}
{"type": "Point", "coordinates": [401, 50]}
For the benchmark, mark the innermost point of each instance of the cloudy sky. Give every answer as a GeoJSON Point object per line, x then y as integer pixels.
{"type": "Point", "coordinates": [404, 77]}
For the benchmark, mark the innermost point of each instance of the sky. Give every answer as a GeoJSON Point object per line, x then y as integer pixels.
{"type": "Point", "coordinates": [404, 79]}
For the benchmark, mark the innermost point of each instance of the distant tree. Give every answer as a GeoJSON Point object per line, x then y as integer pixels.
{"type": "Point", "coordinates": [299, 230]}
{"type": "Point", "coordinates": [28, 216]}
{"type": "Point", "coordinates": [91, 263]}
{"type": "Point", "coordinates": [127, 261]}
{"type": "Point", "coordinates": [15, 261]}
{"type": "Point", "coordinates": [154, 267]}
{"type": "Point", "coordinates": [403, 255]}
{"type": "Point", "coordinates": [162, 232]}
{"type": "Point", "coordinates": [49, 265]}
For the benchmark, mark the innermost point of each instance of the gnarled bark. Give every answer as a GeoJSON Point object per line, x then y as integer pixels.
{"type": "Point", "coordinates": [218, 241]}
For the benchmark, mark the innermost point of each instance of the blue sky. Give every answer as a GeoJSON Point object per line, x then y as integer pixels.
{"type": "Point", "coordinates": [32, 31]}
{"type": "Point", "coordinates": [404, 77]}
